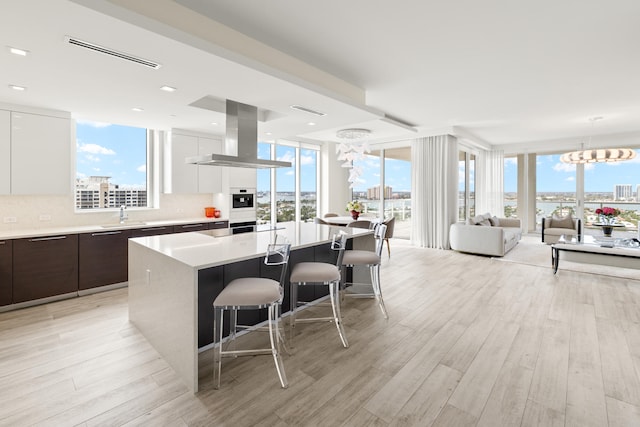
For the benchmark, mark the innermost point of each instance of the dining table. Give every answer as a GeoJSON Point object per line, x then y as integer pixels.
{"type": "Point", "coordinates": [346, 220]}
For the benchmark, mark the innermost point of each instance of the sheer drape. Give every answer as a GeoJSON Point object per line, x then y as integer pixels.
{"type": "Point", "coordinates": [490, 182]}
{"type": "Point", "coordinates": [434, 182]}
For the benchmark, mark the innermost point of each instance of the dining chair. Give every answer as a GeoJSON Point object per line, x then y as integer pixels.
{"type": "Point", "coordinates": [372, 260]}
{"type": "Point", "coordinates": [253, 293]}
{"type": "Point", "coordinates": [390, 223]}
{"type": "Point", "coordinates": [312, 273]}
{"type": "Point", "coordinates": [317, 220]}
{"type": "Point", "coordinates": [330, 214]}
{"type": "Point", "coordinates": [361, 223]}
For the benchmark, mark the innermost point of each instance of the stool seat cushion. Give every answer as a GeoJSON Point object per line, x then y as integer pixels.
{"type": "Point", "coordinates": [358, 257]}
{"type": "Point", "coordinates": [314, 272]}
{"type": "Point", "coordinates": [248, 291]}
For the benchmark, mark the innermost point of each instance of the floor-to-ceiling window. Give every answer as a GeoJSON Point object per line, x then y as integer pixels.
{"type": "Point", "coordinates": [291, 192]}
{"type": "Point", "coordinates": [466, 185]}
{"type": "Point", "coordinates": [397, 189]}
{"type": "Point", "coordinates": [555, 188]}
{"type": "Point", "coordinates": [263, 208]}
{"type": "Point", "coordinates": [510, 187]}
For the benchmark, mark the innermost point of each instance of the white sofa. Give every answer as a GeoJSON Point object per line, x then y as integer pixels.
{"type": "Point", "coordinates": [485, 235]}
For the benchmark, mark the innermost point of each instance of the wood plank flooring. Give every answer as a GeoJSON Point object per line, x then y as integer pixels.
{"type": "Point", "coordinates": [470, 341]}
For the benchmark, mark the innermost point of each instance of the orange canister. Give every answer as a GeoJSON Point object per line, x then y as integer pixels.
{"type": "Point", "coordinates": [209, 212]}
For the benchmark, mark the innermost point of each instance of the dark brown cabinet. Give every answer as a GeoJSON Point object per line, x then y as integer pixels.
{"type": "Point", "coordinates": [152, 231]}
{"type": "Point", "coordinates": [6, 272]}
{"type": "Point", "coordinates": [218, 224]}
{"type": "Point", "coordinates": [44, 267]}
{"type": "Point", "coordinates": [184, 228]}
{"type": "Point", "coordinates": [103, 258]}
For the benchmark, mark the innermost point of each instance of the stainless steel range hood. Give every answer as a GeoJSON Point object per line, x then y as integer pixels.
{"type": "Point", "coordinates": [241, 139]}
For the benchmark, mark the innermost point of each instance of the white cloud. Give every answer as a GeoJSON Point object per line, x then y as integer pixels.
{"type": "Point", "coordinates": [290, 173]}
{"type": "Point", "coordinates": [142, 168]}
{"type": "Point", "coordinates": [307, 160]}
{"type": "Point", "coordinates": [92, 158]}
{"type": "Point", "coordinates": [564, 167]}
{"type": "Point", "coordinates": [93, 124]}
{"type": "Point", "coordinates": [288, 157]}
{"type": "Point", "coordinates": [95, 149]}
{"type": "Point", "coordinates": [571, 178]}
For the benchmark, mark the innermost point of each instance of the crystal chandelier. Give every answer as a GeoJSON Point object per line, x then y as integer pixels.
{"type": "Point", "coordinates": [354, 148]}
{"type": "Point", "coordinates": [598, 155]}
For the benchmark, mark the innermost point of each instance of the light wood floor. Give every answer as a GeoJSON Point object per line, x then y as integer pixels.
{"type": "Point", "coordinates": [470, 342]}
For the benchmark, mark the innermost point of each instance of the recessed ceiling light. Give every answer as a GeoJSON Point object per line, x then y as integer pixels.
{"type": "Point", "coordinates": [214, 123]}
{"type": "Point", "coordinates": [168, 89]}
{"type": "Point", "coordinates": [268, 133]}
{"type": "Point", "coordinates": [17, 51]}
{"type": "Point", "coordinates": [16, 87]}
{"type": "Point", "coordinates": [311, 124]}
{"type": "Point", "coordinates": [138, 109]}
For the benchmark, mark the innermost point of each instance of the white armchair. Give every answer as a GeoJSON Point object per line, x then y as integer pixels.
{"type": "Point", "coordinates": [554, 227]}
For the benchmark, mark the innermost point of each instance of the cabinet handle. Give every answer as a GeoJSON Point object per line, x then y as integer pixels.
{"type": "Point", "coordinates": [106, 233]}
{"type": "Point", "coordinates": [3, 243]}
{"type": "Point", "coordinates": [191, 225]}
{"type": "Point", "coordinates": [42, 239]}
{"type": "Point", "coordinates": [153, 229]}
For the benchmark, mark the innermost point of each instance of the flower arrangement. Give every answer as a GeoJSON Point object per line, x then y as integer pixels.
{"type": "Point", "coordinates": [355, 205]}
{"type": "Point", "coordinates": [607, 215]}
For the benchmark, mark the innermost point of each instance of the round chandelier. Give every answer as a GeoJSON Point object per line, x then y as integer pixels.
{"type": "Point", "coordinates": [598, 155]}
{"type": "Point", "coordinates": [353, 133]}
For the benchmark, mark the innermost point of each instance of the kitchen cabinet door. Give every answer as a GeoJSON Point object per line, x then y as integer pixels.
{"type": "Point", "coordinates": [209, 177]}
{"type": "Point", "coordinates": [5, 152]}
{"type": "Point", "coordinates": [40, 154]}
{"type": "Point", "coordinates": [44, 267]}
{"type": "Point", "coordinates": [152, 231]}
{"type": "Point", "coordinates": [218, 224]}
{"type": "Point", "coordinates": [183, 176]}
{"type": "Point", "coordinates": [6, 272]}
{"type": "Point", "coordinates": [103, 258]}
{"type": "Point", "coordinates": [185, 228]}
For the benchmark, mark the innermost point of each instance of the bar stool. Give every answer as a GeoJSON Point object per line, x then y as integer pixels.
{"type": "Point", "coordinates": [251, 293]}
{"type": "Point", "coordinates": [311, 273]}
{"type": "Point", "coordinates": [371, 259]}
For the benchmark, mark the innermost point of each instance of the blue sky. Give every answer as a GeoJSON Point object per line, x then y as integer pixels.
{"type": "Point", "coordinates": [553, 175]}
{"type": "Point", "coordinates": [103, 149]}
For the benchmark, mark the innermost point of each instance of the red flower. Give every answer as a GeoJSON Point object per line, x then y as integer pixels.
{"type": "Point", "coordinates": [606, 211]}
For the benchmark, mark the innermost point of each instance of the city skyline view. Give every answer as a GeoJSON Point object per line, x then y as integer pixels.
{"type": "Point", "coordinates": [119, 152]}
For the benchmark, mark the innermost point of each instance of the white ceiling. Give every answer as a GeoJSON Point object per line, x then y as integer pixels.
{"type": "Point", "coordinates": [503, 72]}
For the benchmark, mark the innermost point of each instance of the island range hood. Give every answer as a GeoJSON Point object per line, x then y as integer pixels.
{"type": "Point", "coordinates": [241, 137]}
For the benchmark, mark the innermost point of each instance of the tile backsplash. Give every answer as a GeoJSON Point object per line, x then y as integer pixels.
{"type": "Point", "coordinates": [36, 212]}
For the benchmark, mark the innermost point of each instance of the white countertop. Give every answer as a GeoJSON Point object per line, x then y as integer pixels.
{"type": "Point", "coordinates": [203, 250]}
{"type": "Point", "coordinates": [76, 229]}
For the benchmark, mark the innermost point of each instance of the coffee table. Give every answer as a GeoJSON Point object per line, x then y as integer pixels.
{"type": "Point", "coordinates": [597, 250]}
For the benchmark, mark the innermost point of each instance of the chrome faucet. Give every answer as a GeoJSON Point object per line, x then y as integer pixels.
{"type": "Point", "coordinates": [123, 214]}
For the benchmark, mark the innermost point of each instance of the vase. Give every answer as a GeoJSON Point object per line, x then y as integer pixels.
{"type": "Point", "coordinates": [355, 215]}
{"type": "Point", "coordinates": [607, 230]}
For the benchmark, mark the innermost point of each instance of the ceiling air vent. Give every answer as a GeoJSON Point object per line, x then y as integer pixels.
{"type": "Point", "coordinates": [106, 51]}
{"type": "Point", "coordinates": [307, 110]}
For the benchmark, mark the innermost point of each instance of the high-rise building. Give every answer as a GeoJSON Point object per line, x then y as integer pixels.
{"type": "Point", "coordinates": [623, 192]}
{"type": "Point", "coordinates": [97, 192]}
{"type": "Point", "coordinates": [373, 193]}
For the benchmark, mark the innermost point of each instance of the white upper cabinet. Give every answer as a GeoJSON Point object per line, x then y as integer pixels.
{"type": "Point", "coordinates": [209, 177]}
{"type": "Point", "coordinates": [5, 152]}
{"type": "Point", "coordinates": [187, 178]}
{"type": "Point", "coordinates": [40, 154]}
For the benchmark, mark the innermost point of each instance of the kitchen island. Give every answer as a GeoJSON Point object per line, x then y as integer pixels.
{"type": "Point", "coordinates": [173, 280]}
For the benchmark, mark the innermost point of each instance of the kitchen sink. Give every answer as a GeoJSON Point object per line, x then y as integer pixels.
{"type": "Point", "coordinates": [124, 224]}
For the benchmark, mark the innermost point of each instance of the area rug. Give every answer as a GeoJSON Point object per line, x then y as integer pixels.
{"type": "Point", "coordinates": [531, 251]}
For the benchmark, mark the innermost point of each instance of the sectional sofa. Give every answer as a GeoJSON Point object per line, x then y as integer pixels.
{"type": "Point", "coordinates": [485, 235]}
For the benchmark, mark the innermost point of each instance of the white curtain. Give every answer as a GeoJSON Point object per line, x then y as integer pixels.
{"type": "Point", "coordinates": [490, 182]}
{"type": "Point", "coordinates": [434, 183]}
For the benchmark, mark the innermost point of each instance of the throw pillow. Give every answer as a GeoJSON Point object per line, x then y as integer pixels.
{"type": "Point", "coordinates": [561, 222]}
{"type": "Point", "coordinates": [476, 219]}
{"type": "Point", "coordinates": [495, 222]}
{"type": "Point", "coordinates": [484, 222]}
